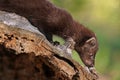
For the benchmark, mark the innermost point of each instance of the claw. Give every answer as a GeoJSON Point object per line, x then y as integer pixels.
{"type": "Point", "coordinates": [94, 72]}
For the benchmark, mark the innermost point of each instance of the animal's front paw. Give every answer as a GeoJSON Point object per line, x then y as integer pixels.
{"type": "Point", "coordinates": [93, 71]}
{"type": "Point", "coordinates": [70, 43]}
{"type": "Point", "coordinates": [66, 50]}
{"type": "Point", "coordinates": [67, 47]}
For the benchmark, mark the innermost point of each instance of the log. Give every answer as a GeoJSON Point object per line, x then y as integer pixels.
{"type": "Point", "coordinates": [25, 54]}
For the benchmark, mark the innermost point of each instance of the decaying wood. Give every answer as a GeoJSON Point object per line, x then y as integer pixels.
{"type": "Point", "coordinates": [26, 55]}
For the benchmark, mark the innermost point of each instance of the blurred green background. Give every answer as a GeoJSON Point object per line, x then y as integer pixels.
{"type": "Point", "coordinates": [103, 17]}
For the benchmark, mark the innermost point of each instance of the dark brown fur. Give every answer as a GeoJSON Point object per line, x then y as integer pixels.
{"type": "Point", "coordinates": [52, 20]}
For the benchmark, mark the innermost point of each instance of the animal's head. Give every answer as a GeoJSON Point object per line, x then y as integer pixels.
{"type": "Point", "coordinates": [87, 50]}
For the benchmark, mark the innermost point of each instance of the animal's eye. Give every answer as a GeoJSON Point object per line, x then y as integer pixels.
{"type": "Point", "coordinates": [92, 43]}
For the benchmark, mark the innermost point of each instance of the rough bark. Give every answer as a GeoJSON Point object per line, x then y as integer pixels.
{"type": "Point", "coordinates": [26, 55]}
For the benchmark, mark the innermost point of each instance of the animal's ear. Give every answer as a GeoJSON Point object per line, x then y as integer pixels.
{"type": "Point", "coordinates": [91, 42]}
{"type": "Point", "coordinates": [89, 46]}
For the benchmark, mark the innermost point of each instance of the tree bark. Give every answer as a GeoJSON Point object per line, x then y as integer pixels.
{"type": "Point", "coordinates": [26, 55]}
